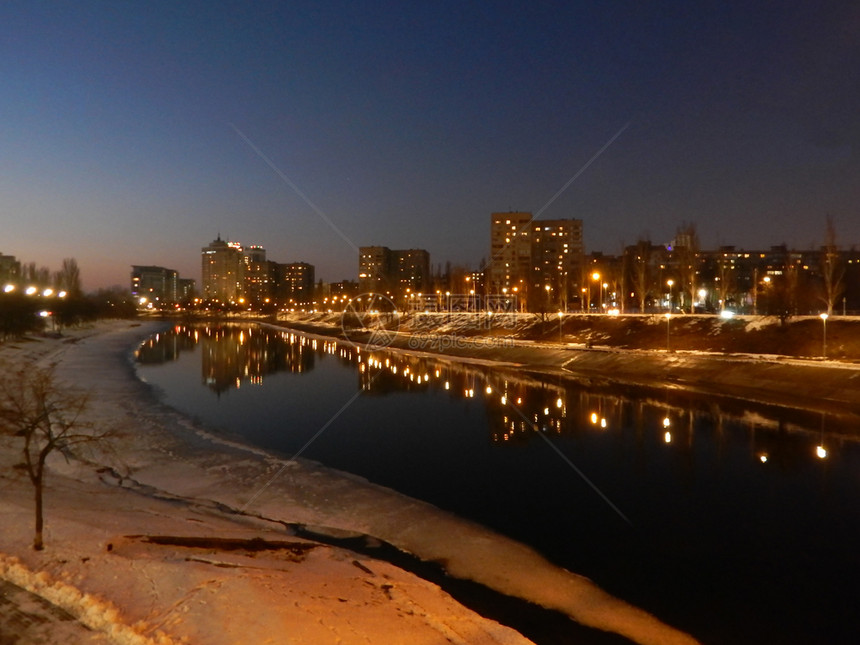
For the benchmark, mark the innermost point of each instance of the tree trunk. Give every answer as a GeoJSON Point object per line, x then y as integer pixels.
{"type": "Point", "coordinates": [38, 544]}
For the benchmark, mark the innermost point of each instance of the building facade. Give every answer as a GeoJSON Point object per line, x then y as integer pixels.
{"type": "Point", "coordinates": [539, 261]}
{"type": "Point", "coordinates": [10, 269]}
{"type": "Point", "coordinates": [556, 264]}
{"type": "Point", "coordinates": [411, 270]}
{"type": "Point", "coordinates": [509, 268]}
{"type": "Point", "coordinates": [374, 269]}
{"type": "Point", "coordinates": [258, 276]}
{"type": "Point", "coordinates": [156, 285]}
{"type": "Point", "coordinates": [222, 271]}
{"type": "Point", "coordinates": [295, 284]}
{"type": "Point", "coordinates": [393, 272]}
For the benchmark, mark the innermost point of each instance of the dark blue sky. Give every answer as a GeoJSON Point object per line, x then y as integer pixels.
{"type": "Point", "coordinates": [135, 132]}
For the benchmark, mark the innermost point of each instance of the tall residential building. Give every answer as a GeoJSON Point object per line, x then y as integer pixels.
{"type": "Point", "coordinates": [374, 269]}
{"type": "Point", "coordinates": [187, 289]}
{"type": "Point", "coordinates": [259, 278]}
{"type": "Point", "coordinates": [10, 269]}
{"type": "Point", "coordinates": [538, 260]}
{"type": "Point", "coordinates": [410, 270]}
{"type": "Point", "coordinates": [222, 271]}
{"type": "Point", "coordinates": [157, 285]}
{"type": "Point", "coordinates": [295, 283]}
{"type": "Point", "coordinates": [393, 272]}
{"type": "Point", "coordinates": [557, 262]}
{"type": "Point", "coordinates": [510, 253]}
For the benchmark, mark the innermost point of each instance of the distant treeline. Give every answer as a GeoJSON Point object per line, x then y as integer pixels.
{"type": "Point", "coordinates": [22, 314]}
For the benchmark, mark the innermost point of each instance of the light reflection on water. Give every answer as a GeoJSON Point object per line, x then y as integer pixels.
{"type": "Point", "coordinates": [738, 509]}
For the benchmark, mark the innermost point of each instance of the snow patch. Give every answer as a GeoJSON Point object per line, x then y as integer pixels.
{"type": "Point", "coordinates": [97, 614]}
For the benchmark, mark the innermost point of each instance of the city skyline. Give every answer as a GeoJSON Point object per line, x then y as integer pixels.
{"type": "Point", "coordinates": [131, 134]}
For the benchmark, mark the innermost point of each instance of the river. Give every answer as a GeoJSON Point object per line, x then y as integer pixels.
{"type": "Point", "coordinates": [735, 522]}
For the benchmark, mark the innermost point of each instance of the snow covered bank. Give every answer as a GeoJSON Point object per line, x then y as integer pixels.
{"type": "Point", "coordinates": [163, 476]}
{"type": "Point", "coordinates": [759, 374]}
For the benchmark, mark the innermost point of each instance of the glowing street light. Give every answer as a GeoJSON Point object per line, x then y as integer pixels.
{"type": "Point", "coordinates": [670, 283]}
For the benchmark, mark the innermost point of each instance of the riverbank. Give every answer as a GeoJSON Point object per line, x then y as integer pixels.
{"type": "Point", "coordinates": [708, 355]}
{"type": "Point", "coordinates": [167, 534]}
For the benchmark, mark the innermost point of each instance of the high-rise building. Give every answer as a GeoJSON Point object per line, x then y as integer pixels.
{"type": "Point", "coordinates": [374, 269]}
{"type": "Point", "coordinates": [259, 276]}
{"type": "Point", "coordinates": [157, 285]}
{"type": "Point", "coordinates": [222, 271]}
{"type": "Point", "coordinates": [187, 289]}
{"type": "Point", "coordinates": [393, 273]}
{"type": "Point", "coordinates": [410, 270]}
{"type": "Point", "coordinates": [557, 262]}
{"type": "Point", "coordinates": [295, 284]}
{"type": "Point", "coordinates": [510, 253]}
{"type": "Point", "coordinates": [539, 261]}
{"type": "Point", "coordinates": [10, 269]}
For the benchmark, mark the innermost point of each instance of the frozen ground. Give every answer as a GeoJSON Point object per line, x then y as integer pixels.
{"type": "Point", "coordinates": [238, 574]}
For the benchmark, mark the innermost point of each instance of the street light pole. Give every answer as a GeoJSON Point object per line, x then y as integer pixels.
{"type": "Point", "coordinates": [668, 318]}
{"type": "Point", "coordinates": [824, 335]}
{"type": "Point", "coordinates": [596, 277]}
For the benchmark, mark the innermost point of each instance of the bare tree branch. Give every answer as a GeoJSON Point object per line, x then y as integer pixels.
{"type": "Point", "coordinates": [48, 417]}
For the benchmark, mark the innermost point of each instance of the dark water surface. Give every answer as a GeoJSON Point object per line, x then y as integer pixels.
{"type": "Point", "coordinates": [734, 522]}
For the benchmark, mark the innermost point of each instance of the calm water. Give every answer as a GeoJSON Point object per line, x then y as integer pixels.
{"type": "Point", "coordinates": [724, 519]}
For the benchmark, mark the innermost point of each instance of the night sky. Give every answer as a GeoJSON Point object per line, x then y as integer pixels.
{"type": "Point", "coordinates": [136, 132]}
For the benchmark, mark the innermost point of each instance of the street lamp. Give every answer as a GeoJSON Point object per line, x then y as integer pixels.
{"type": "Point", "coordinates": [560, 316]}
{"type": "Point", "coordinates": [823, 335]}
{"type": "Point", "coordinates": [596, 277]}
{"type": "Point", "coordinates": [670, 283]}
{"type": "Point", "coordinates": [668, 318]}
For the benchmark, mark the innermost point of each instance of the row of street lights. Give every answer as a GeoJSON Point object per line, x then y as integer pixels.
{"type": "Point", "coordinates": [34, 291]}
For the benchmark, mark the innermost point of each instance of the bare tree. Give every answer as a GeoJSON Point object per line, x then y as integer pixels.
{"type": "Point", "coordinates": [641, 263]}
{"type": "Point", "coordinates": [47, 418]}
{"type": "Point", "coordinates": [726, 282]}
{"type": "Point", "coordinates": [832, 270]}
{"type": "Point", "coordinates": [68, 278]}
{"type": "Point", "coordinates": [622, 283]}
{"type": "Point", "coordinates": [791, 282]}
{"type": "Point", "coordinates": [38, 276]}
{"type": "Point", "coordinates": [687, 254]}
